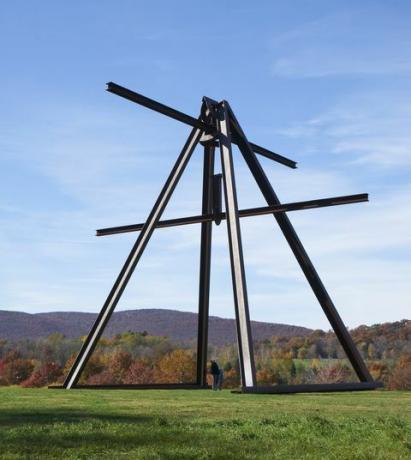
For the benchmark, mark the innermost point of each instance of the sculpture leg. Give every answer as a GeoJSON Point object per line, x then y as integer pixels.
{"type": "Point", "coordinates": [205, 261]}
{"type": "Point", "coordinates": [245, 344]}
{"type": "Point", "coordinates": [132, 260]}
{"type": "Point", "coordinates": [302, 257]}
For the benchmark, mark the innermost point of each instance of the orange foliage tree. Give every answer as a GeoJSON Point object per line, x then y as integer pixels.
{"type": "Point", "coordinates": [140, 372]}
{"type": "Point", "coordinates": [43, 375]}
{"type": "Point", "coordinates": [401, 377]}
{"type": "Point", "coordinates": [177, 366]}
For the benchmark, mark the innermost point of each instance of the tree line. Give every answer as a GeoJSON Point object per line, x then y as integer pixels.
{"type": "Point", "coordinates": [140, 358]}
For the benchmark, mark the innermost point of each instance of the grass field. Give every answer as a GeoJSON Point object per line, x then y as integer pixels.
{"type": "Point", "coordinates": [201, 424]}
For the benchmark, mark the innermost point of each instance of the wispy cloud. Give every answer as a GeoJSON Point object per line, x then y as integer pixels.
{"type": "Point", "coordinates": [369, 128]}
{"type": "Point", "coordinates": [357, 42]}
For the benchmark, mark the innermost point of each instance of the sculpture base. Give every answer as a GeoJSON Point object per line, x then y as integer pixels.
{"type": "Point", "coordinates": [154, 386]}
{"type": "Point", "coordinates": [312, 388]}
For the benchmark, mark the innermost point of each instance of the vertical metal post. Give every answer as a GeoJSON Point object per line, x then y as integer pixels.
{"type": "Point", "coordinates": [217, 198]}
{"type": "Point", "coordinates": [245, 343]}
{"type": "Point", "coordinates": [301, 255]}
{"type": "Point", "coordinates": [132, 260]}
{"type": "Point", "coordinates": [205, 262]}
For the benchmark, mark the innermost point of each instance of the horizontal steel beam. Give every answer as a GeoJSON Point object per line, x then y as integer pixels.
{"type": "Point", "coordinates": [189, 120]}
{"type": "Point", "coordinates": [269, 389]}
{"type": "Point", "coordinates": [313, 387]}
{"type": "Point", "coordinates": [311, 204]}
{"type": "Point", "coordinates": [140, 386]}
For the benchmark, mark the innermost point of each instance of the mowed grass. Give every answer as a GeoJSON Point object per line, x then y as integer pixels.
{"type": "Point", "coordinates": [160, 424]}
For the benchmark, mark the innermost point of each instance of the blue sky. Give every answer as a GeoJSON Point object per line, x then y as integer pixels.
{"type": "Point", "coordinates": [324, 83]}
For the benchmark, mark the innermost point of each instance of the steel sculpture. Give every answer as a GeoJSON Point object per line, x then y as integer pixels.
{"type": "Point", "coordinates": [215, 127]}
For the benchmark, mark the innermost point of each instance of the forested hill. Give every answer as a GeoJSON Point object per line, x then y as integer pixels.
{"type": "Point", "coordinates": [175, 325]}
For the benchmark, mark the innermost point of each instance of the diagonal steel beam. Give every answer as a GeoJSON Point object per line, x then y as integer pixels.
{"type": "Point", "coordinates": [189, 120]}
{"type": "Point", "coordinates": [242, 315]}
{"type": "Point", "coordinates": [132, 260]}
{"type": "Point", "coordinates": [285, 207]}
{"type": "Point", "coordinates": [302, 257]}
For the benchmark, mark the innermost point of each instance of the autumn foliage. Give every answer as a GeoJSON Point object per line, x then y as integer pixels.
{"type": "Point", "coordinates": [401, 376]}
{"type": "Point", "coordinates": [139, 358]}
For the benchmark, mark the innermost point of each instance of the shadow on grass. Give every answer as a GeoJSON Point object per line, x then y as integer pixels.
{"type": "Point", "coordinates": [14, 418]}
{"type": "Point", "coordinates": [80, 434]}
{"type": "Point", "coordinates": [75, 433]}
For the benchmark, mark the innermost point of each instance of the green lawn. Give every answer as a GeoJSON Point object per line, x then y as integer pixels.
{"type": "Point", "coordinates": [160, 424]}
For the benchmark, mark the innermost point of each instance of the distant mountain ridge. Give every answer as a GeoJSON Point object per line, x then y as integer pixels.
{"type": "Point", "coordinates": [176, 325]}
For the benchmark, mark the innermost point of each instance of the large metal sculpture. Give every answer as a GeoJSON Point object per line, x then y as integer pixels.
{"type": "Point", "coordinates": [217, 126]}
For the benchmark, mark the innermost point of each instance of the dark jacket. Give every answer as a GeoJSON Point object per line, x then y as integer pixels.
{"type": "Point", "coordinates": [215, 370]}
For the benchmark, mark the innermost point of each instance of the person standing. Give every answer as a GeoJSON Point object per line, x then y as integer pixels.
{"type": "Point", "coordinates": [215, 372]}
{"type": "Point", "coordinates": [220, 380]}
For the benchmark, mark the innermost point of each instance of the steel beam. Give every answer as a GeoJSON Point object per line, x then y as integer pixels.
{"type": "Point", "coordinates": [156, 106]}
{"type": "Point", "coordinates": [245, 342]}
{"type": "Point", "coordinates": [301, 255]}
{"type": "Point", "coordinates": [189, 120]}
{"type": "Point", "coordinates": [312, 388]}
{"type": "Point", "coordinates": [205, 263]}
{"type": "Point", "coordinates": [138, 386]}
{"type": "Point", "coordinates": [132, 259]}
{"type": "Point", "coordinates": [217, 198]}
{"type": "Point", "coordinates": [284, 207]}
